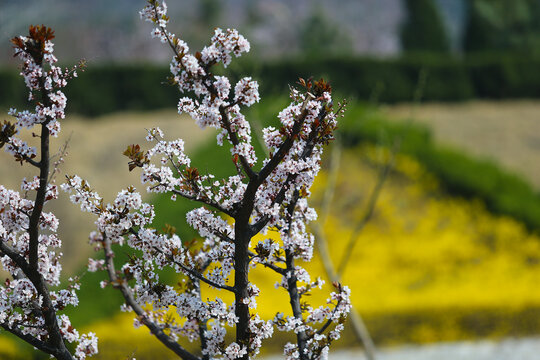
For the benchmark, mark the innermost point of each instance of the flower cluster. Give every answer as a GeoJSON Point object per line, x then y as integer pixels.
{"type": "Point", "coordinates": [36, 52]}
{"type": "Point", "coordinates": [215, 106]}
{"type": "Point", "coordinates": [317, 342]}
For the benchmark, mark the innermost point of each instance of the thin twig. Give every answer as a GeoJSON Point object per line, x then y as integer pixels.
{"type": "Point", "coordinates": [194, 273]}
{"type": "Point", "coordinates": [335, 158]}
{"type": "Point", "coordinates": [374, 196]}
{"type": "Point", "coordinates": [61, 153]}
{"type": "Point", "coordinates": [277, 269]}
{"type": "Point", "coordinates": [417, 96]}
{"type": "Point", "coordinates": [359, 328]}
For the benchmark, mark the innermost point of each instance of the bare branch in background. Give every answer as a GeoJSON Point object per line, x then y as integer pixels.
{"type": "Point", "coordinates": [358, 326]}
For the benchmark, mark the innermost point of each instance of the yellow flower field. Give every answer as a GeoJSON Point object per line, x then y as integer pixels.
{"type": "Point", "coordinates": [433, 266]}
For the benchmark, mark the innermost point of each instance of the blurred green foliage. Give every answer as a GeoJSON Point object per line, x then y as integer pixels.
{"type": "Point", "coordinates": [503, 25]}
{"type": "Point", "coordinates": [101, 89]}
{"type": "Point", "coordinates": [110, 88]}
{"type": "Point", "coordinates": [12, 89]}
{"type": "Point", "coordinates": [319, 36]}
{"type": "Point", "coordinates": [210, 12]}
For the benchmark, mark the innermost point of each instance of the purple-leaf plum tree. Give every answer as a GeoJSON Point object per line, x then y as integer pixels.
{"type": "Point", "coordinates": [262, 196]}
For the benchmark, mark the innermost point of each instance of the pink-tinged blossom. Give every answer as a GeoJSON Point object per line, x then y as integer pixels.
{"type": "Point", "coordinates": [81, 194]}
{"type": "Point", "coordinates": [95, 265]}
{"type": "Point", "coordinates": [235, 351]}
{"type": "Point", "coordinates": [246, 92]}
{"type": "Point", "coordinates": [223, 87]}
{"type": "Point", "coordinates": [30, 185]}
{"type": "Point", "coordinates": [207, 224]}
{"type": "Point", "coordinates": [225, 43]}
{"type": "Point", "coordinates": [19, 148]}
{"type": "Point", "coordinates": [87, 346]}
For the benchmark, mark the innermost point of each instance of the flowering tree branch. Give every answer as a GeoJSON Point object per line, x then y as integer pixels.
{"type": "Point", "coordinates": [120, 284]}
{"type": "Point", "coordinates": [28, 308]}
{"type": "Point", "coordinates": [38, 344]}
{"type": "Point", "coordinates": [234, 140]}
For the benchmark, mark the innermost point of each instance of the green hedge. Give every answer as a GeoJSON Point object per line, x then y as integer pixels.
{"type": "Point", "coordinates": [111, 88]}
{"type": "Point", "coordinates": [102, 89]}
{"type": "Point", "coordinates": [386, 80]}
{"type": "Point", "coordinates": [459, 174]}
{"type": "Point", "coordinates": [107, 88]}
{"type": "Point", "coordinates": [12, 90]}
{"type": "Point", "coordinates": [504, 76]}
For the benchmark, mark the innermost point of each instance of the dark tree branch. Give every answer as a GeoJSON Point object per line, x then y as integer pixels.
{"type": "Point", "coordinates": [204, 201]}
{"type": "Point", "coordinates": [31, 269]}
{"type": "Point", "coordinates": [120, 284]}
{"type": "Point", "coordinates": [38, 344]}
{"type": "Point", "coordinates": [269, 265]}
{"type": "Point", "coordinates": [32, 162]}
{"type": "Point", "coordinates": [294, 300]}
{"type": "Point", "coordinates": [328, 322]}
{"type": "Point", "coordinates": [292, 283]}
{"type": "Point", "coordinates": [195, 274]}
{"type": "Point", "coordinates": [14, 256]}
{"type": "Point", "coordinates": [36, 310]}
{"type": "Point", "coordinates": [308, 150]}
{"type": "Point", "coordinates": [202, 325]}
{"type": "Point", "coordinates": [33, 228]}
{"type": "Point", "coordinates": [191, 272]}
{"type": "Point", "coordinates": [222, 110]}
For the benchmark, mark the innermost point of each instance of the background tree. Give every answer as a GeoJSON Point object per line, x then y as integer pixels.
{"type": "Point", "coordinates": [424, 28]}
{"type": "Point", "coordinates": [502, 25]}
